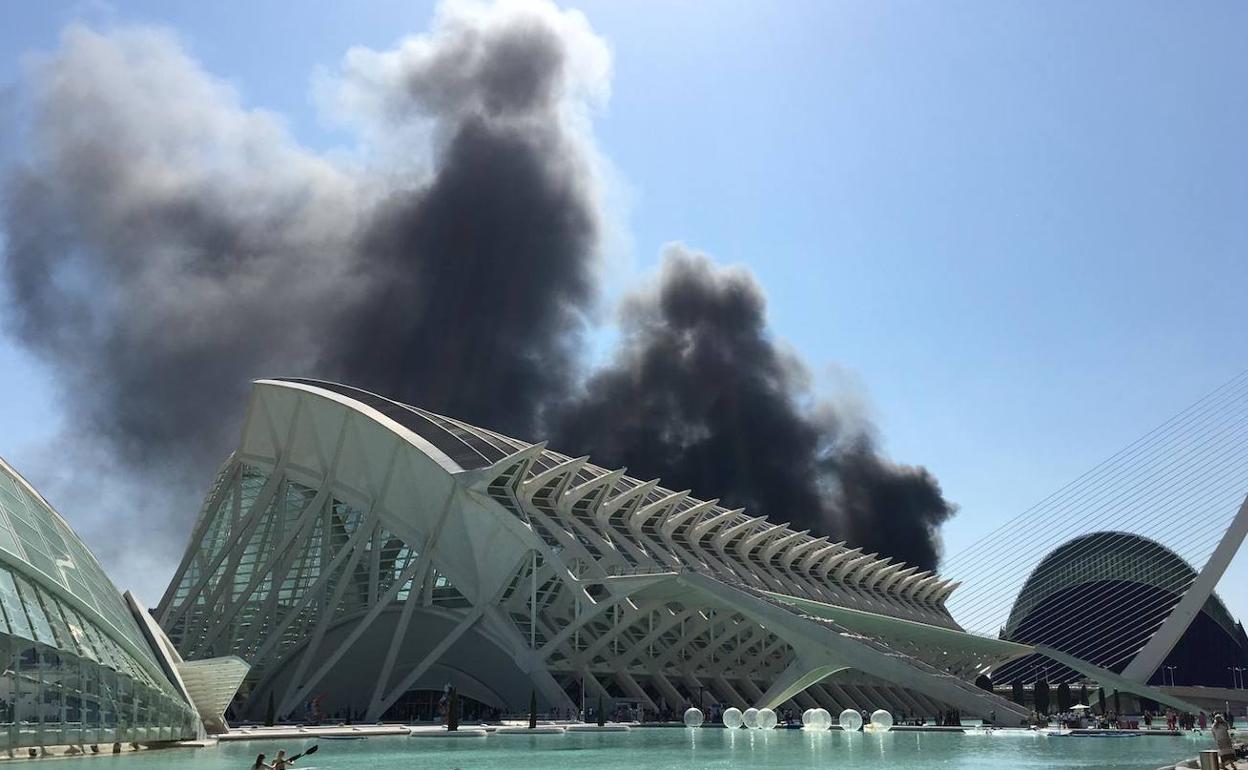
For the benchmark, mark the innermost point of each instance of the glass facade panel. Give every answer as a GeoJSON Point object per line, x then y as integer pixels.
{"type": "Point", "coordinates": [19, 625]}
{"type": "Point", "coordinates": [34, 611]}
{"type": "Point", "coordinates": [237, 602]}
{"type": "Point", "coordinates": [74, 666]}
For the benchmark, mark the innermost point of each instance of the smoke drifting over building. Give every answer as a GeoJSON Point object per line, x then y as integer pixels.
{"type": "Point", "coordinates": [701, 395]}
{"type": "Point", "coordinates": [164, 245]}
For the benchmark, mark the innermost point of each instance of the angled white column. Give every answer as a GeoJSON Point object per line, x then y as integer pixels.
{"type": "Point", "coordinates": [1163, 640]}
{"type": "Point", "coordinates": [799, 675]}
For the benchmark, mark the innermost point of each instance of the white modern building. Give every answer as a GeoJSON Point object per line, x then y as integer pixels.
{"type": "Point", "coordinates": [361, 554]}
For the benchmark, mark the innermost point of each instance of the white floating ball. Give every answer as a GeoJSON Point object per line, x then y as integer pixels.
{"type": "Point", "coordinates": [693, 717]}
{"type": "Point", "coordinates": [767, 719]}
{"type": "Point", "coordinates": [851, 721]}
{"type": "Point", "coordinates": [750, 717]}
{"type": "Point", "coordinates": [732, 718]}
{"type": "Point", "coordinates": [824, 719]}
{"type": "Point", "coordinates": [881, 721]}
{"type": "Point", "coordinates": [806, 723]}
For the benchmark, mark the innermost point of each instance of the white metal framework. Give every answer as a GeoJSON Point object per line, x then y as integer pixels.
{"type": "Point", "coordinates": [354, 549]}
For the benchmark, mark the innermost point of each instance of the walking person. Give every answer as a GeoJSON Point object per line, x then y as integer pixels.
{"type": "Point", "coordinates": [1222, 739]}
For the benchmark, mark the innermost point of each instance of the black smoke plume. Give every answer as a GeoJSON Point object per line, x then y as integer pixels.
{"type": "Point", "coordinates": [702, 396]}
{"type": "Point", "coordinates": [164, 245]}
{"type": "Point", "coordinates": [474, 286]}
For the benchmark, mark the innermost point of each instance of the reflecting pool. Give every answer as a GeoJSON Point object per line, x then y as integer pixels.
{"type": "Point", "coordinates": [684, 749]}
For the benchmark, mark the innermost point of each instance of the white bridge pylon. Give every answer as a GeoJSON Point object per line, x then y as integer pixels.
{"type": "Point", "coordinates": [1145, 663]}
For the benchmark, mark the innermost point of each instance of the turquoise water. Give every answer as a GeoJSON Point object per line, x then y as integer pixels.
{"type": "Point", "coordinates": [682, 749]}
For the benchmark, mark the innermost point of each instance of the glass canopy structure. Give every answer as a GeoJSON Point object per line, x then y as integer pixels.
{"type": "Point", "coordinates": [78, 666]}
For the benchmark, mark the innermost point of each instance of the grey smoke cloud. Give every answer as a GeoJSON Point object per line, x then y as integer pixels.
{"type": "Point", "coordinates": [162, 239]}
{"type": "Point", "coordinates": [166, 244]}
{"type": "Point", "coordinates": [702, 395]}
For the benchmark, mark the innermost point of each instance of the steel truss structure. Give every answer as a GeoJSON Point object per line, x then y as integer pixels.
{"type": "Point", "coordinates": [354, 549]}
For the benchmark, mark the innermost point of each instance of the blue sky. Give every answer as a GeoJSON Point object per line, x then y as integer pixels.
{"type": "Point", "coordinates": [1017, 230]}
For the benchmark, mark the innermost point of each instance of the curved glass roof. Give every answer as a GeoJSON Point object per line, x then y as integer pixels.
{"type": "Point", "coordinates": [451, 437]}
{"type": "Point", "coordinates": [35, 535]}
{"type": "Point", "coordinates": [1110, 556]}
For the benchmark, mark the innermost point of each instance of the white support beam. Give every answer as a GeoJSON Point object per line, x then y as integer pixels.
{"type": "Point", "coordinates": [866, 570]}
{"type": "Point", "coordinates": [379, 606]}
{"type": "Point", "coordinates": [396, 644]}
{"type": "Point", "coordinates": [586, 617]}
{"type": "Point", "coordinates": [628, 500]}
{"type": "Point", "coordinates": [704, 527]}
{"type": "Point", "coordinates": [792, 555]}
{"type": "Point", "coordinates": [658, 507]}
{"type": "Point", "coordinates": [907, 585]}
{"type": "Point", "coordinates": [941, 595]}
{"type": "Point", "coordinates": [575, 492]}
{"type": "Point", "coordinates": [748, 543]}
{"type": "Point", "coordinates": [416, 568]}
{"type": "Point", "coordinates": [479, 480]}
{"type": "Point", "coordinates": [379, 705]}
{"type": "Point", "coordinates": [835, 560]}
{"type": "Point", "coordinates": [848, 567]}
{"type": "Point", "coordinates": [1145, 663]}
{"type": "Point", "coordinates": [775, 546]}
{"type": "Point", "coordinates": [726, 534]}
{"type": "Point", "coordinates": [674, 519]}
{"type": "Point", "coordinates": [630, 685]}
{"type": "Point", "coordinates": [886, 577]}
{"type": "Point", "coordinates": [564, 470]}
{"type": "Point", "coordinates": [927, 593]}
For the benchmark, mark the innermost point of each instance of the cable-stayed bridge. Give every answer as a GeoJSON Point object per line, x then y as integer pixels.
{"type": "Point", "coordinates": [1115, 567]}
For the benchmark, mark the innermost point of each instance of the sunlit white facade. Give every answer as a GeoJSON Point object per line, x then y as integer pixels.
{"type": "Point", "coordinates": [358, 552]}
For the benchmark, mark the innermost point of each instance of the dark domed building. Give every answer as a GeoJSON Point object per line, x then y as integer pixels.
{"type": "Point", "coordinates": [1101, 596]}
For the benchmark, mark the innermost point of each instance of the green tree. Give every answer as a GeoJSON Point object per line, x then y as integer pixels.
{"type": "Point", "coordinates": [1042, 696]}
{"type": "Point", "coordinates": [1063, 697]}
